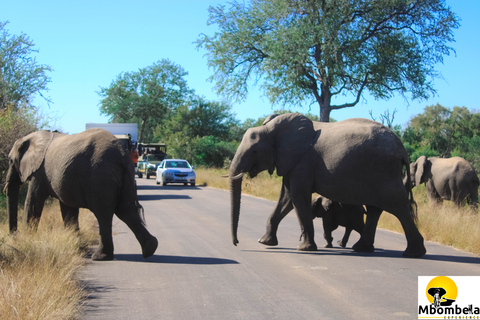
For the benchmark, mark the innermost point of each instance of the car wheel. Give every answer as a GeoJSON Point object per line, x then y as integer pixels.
{"type": "Point", "coordinates": [140, 175]}
{"type": "Point", "coordinates": [192, 184]}
{"type": "Point", "coordinates": [158, 182]}
{"type": "Point", "coordinates": [148, 176]}
{"type": "Point", "coordinates": [164, 184]}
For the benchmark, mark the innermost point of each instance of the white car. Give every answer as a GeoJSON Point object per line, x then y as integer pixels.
{"type": "Point", "coordinates": [175, 171]}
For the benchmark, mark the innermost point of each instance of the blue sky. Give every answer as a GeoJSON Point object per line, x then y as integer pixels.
{"type": "Point", "coordinates": [88, 43]}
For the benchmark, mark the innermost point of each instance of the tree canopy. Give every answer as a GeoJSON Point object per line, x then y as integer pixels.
{"type": "Point", "coordinates": [21, 76]}
{"type": "Point", "coordinates": [145, 96]}
{"type": "Point", "coordinates": [444, 132]}
{"type": "Point", "coordinates": [315, 51]}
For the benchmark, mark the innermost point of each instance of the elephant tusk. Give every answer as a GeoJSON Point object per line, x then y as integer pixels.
{"type": "Point", "coordinates": [5, 189]}
{"type": "Point", "coordinates": [238, 176]}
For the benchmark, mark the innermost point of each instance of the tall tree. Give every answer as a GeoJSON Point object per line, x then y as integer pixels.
{"type": "Point", "coordinates": [145, 96]}
{"type": "Point", "coordinates": [21, 76]}
{"type": "Point", "coordinates": [316, 50]}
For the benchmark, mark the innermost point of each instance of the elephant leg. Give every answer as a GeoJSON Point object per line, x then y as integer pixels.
{"type": "Point", "coordinates": [283, 207]}
{"type": "Point", "coordinates": [343, 243]}
{"type": "Point", "coordinates": [105, 247]}
{"type": "Point", "coordinates": [415, 244]}
{"type": "Point", "coordinates": [34, 203]}
{"type": "Point", "coordinates": [133, 220]}
{"type": "Point", "coordinates": [303, 208]}
{"type": "Point", "coordinates": [70, 216]}
{"type": "Point", "coordinates": [328, 237]}
{"type": "Point", "coordinates": [365, 244]}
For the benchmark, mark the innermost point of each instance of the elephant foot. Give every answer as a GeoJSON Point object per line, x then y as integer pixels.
{"type": "Point", "coordinates": [414, 251]}
{"type": "Point", "coordinates": [268, 240]}
{"type": "Point", "coordinates": [307, 247]}
{"type": "Point", "coordinates": [150, 247]}
{"type": "Point", "coordinates": [341, 243]}
{"type": "Point", "coordinates": [101, 256]}
{"type": "Point", "coordinates": [328, 245]}
{"type": "Point", "coordinates": [360, 246]}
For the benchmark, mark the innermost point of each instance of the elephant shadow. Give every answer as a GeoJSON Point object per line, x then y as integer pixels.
{"type": "Point", "coordinates": [152, 197]}
{"type": "Point", "coordinates": [379, 253]}
{"type": "Point", "coordinates": [166, 259]}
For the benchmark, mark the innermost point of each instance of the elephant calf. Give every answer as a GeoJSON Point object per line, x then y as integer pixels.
{"type": "Point", "coordinates": [334, 214]}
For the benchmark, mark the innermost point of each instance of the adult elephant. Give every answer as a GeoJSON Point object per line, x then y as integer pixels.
{"type": "Point", "coordinates": [85, 170]}
{"type": "Point", "coordinates": [355, 161]}
{"type": "Point", "coordinates": [451, 179]}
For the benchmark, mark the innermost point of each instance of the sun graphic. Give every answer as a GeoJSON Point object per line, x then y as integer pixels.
{"type": "Point", "coordinates": [445, 283]}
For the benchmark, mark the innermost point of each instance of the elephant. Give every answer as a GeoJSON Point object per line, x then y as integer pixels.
{"type": "Point", "coordinates": [451, 179]}
{"type": "Point", "coordinates": [85, 170]}
{"type": "Point", "coordinates": [334, 214]}
{"type": "Point", "coordinates": [355, 161]}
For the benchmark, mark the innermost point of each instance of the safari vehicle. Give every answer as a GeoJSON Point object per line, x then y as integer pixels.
{"type": "Point", "coordinates": [151, 155]}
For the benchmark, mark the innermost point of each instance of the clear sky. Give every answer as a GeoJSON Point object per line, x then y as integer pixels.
{"type": "Point", "coordinates": [88, 43]}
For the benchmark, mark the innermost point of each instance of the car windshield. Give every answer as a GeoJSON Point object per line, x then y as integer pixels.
{"type": "Point", "coordinates": [177, 164]}
{"type": "Point", "coordinates": [154, 157]}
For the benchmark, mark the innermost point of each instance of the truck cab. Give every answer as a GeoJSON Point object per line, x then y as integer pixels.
{"type": "Point", "coordinates": [151, 155]}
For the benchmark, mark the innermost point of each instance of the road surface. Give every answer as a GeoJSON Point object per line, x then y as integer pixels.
{"type": "Point", "coordinates": [197, 273]}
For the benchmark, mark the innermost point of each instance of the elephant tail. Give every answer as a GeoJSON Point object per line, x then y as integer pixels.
{"type": "Point", "coordinates": [408, 188]}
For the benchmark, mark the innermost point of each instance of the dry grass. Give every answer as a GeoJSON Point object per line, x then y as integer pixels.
{"type": "Point", "coordinates": [262, 186]}
{"type": "Point", "coordinates": [39, 269]}
{"type": "Point", "coordinates": [446, 224]}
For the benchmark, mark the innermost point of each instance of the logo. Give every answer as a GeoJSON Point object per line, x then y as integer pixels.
{"type": "Point", "coordinates": [448, 297]}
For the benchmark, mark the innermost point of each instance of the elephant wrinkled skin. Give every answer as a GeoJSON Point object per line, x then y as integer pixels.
{"type": "Point", "coordinates": [451, 179]}
{"type": "Point", "coordinates": [336, 214]}
{"type": "Point", "coordinates": [85, 170]}
{"type": "Point", "coordinates": [356, 161]}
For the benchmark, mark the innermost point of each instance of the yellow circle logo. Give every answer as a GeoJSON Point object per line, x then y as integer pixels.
{"type": "Point", "coordinates": [441, 291]}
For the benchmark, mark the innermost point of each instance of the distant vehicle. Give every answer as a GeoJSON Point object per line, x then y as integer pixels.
{"type": "Point", "coordinates": [175, 171]}
{"type": "Point", "coordinates": [151, 155]}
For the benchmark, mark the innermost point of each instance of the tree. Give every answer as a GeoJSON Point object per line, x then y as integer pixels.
{"type": "Point", "coordinates": [14, 124]}
{"type": "Point", "coordinates": [202, 132]}
{"type": "Point", "coordinates": [21, 77]}
{"type": "Point", "coordinates": [318, 50]}
{"type": "Point", "coordinates": [145, 96]}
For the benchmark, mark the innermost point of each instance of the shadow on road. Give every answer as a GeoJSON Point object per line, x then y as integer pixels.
{"type": "Point", "coordinates": [169, 187]}
{"type": "Point", "coordinates": [151, 197]}
{"type": "Point", "coordinates": [379, 253]}
{"type": "Point", "coordinates": [174, 259]}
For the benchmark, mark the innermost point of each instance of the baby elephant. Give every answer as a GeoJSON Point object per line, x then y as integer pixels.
{"type": "Point", "coordinates": [334, 214]}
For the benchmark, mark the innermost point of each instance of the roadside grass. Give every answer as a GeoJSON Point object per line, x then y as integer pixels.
{"type": "Point", "coordinates": [445, 224]}
{"type": "Point", "coordinates": [39, 269]}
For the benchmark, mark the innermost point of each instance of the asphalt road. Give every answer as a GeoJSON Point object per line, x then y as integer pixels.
{"type": "Point", "coordinates": [197, 273]}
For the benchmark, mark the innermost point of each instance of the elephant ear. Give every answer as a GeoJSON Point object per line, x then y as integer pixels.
{"type": "Point", "coordinates": [293, 136]}
{"type": "Point", "coordinates": [326, 204]}
{"type": "Point", "coordinates": [28, 153]}
{"type": "Point", "coordinates": [420, 170]}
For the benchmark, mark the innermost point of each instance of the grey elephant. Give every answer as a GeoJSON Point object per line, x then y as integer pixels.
{"type": "Point", "coordinates": [451, 179]}
{"type": "Point", "coordinates": [356, 161]}
{"type": "Point", "coordinates": [85, 170]}
{"type": "Point", "coordinates": [335, 214]}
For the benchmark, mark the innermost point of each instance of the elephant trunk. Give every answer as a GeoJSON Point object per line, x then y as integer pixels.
{"type": "Point", "coordinates": [235, 197]}
{"type": "Point", "coordinates": [12, 192]}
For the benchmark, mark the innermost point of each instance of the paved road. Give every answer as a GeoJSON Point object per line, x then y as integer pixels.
{"type": "Point", "coordinates": [197, 273]}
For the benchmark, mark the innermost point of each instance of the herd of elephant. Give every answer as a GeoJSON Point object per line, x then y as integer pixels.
{"type": "Point", "coordinates": [356, 165]}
